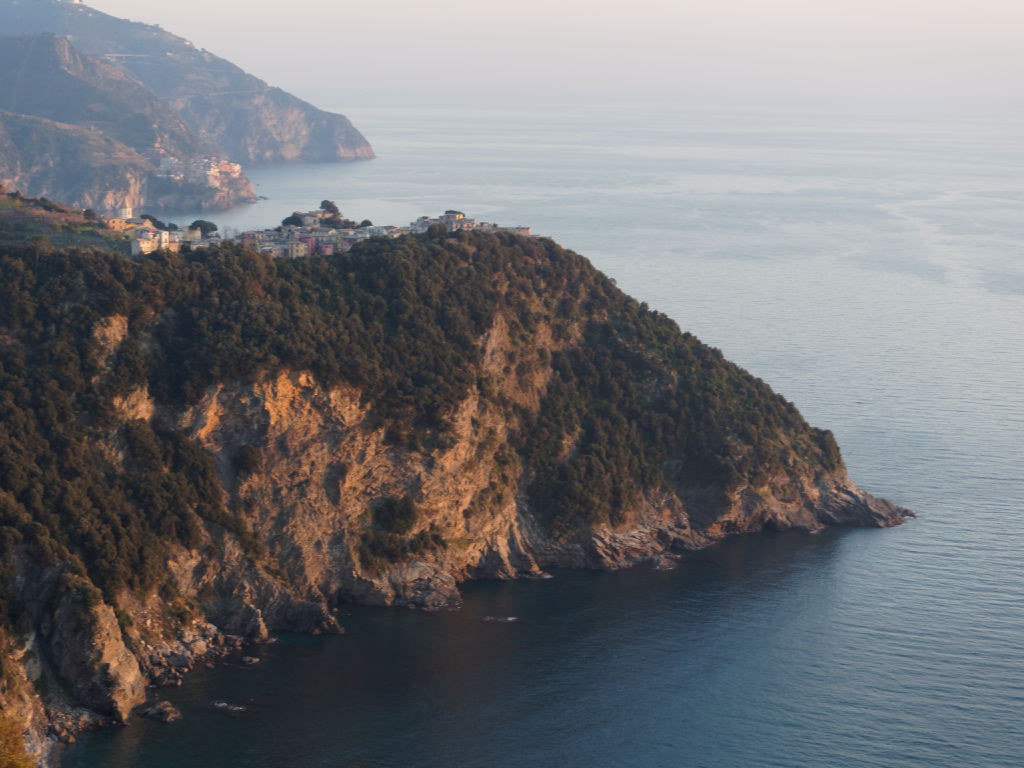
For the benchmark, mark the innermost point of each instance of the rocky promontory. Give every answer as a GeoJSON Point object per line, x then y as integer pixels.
{"type": "Point", "coordinates": [199, 449]}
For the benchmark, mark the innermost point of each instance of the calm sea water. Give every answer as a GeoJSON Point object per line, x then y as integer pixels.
{"type": "Point", "coordinates": [872, 272]}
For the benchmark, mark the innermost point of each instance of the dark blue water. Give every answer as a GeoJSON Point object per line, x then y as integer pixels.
{"type": "Point", "coordinates": [871, 272]}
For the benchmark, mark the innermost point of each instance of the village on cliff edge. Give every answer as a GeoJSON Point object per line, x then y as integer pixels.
{"type": "Point", "coordinates": [305, 234]}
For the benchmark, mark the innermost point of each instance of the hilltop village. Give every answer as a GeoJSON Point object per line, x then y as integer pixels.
{"type": "Point", "coordinates": [320, 232]}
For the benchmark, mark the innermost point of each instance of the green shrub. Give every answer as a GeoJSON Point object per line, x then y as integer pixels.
{"type": "Point", "coordinates": [395, 515]}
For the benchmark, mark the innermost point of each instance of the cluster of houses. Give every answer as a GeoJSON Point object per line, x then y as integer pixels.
{"type": "Point", "coordinates": [453, 221]}
{"type": "Point", "coordinates": [312, 233]}
{"type": "Point", "coordinates": [306, 234]}
{"type": "Point", "coordinates": [146, 238]}
{"type": "Point", "coordinates": [206, 171]}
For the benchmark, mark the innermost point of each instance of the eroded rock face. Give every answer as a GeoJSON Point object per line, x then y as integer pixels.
{"type": "Point", "coordinates": [325, 463]}
{"type": "Point", "coordinates": [85, 647]}
{"type": "Point", "coordinates": [305, 467]}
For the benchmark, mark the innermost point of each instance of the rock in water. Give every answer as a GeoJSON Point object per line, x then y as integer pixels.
{"type": "Point", "coordinates": [162, 711]}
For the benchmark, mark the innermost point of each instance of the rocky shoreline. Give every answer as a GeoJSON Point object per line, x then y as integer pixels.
{"type": "Point", "coordinates": [153, 666]}
{"type": "Point", "coordinates": [164, 665]}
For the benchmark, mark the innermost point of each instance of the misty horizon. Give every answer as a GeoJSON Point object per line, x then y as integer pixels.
{"type": "Point", "coordinates": [901, 58]}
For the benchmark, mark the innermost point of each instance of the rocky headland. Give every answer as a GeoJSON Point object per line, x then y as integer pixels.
{"type": "Point", "coordinates": [197, 450]}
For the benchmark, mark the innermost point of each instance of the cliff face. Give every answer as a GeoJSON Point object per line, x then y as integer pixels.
{"type": "Point", "coordinates": [324, 463]}
{"type": "Point", "coordinates": [251, 443]}
{"type": "Point", "coordinates": [101, 112]}
{"type": "Point", "coordinates": [44, 158]}
{"type": "Point", "coordinates": [265, 125]}
{"type": "Point", "coordinates": [324, 467]}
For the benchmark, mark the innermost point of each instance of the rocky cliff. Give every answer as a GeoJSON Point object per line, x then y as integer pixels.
{"type": "Point", "coordinates": [198, 449]}
{"type": "Point", "coordinates": [265, 125]}
{"type": "Point", "coordinates": [103, 113]}
{"type": "Point", "coordinates": [323, 472]}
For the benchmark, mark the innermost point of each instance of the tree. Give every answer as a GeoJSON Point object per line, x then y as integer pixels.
{"type": "Point", "coordinates": [204, 226]}
{"type": "Point", "coordinates": [40, 245]}
{"type": "Point", "coordinates": [154, 221]}
{"type": "Point", "coordinates": [292, 221]}
{"type": "Point", "coordinates": [89, 214]}
{"type": "Point", "coordinates": [328, 206]}
{"type": "Point", "coordinates": [366, 223]}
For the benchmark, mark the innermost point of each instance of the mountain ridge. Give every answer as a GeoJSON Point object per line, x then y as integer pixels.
{"type": "Point", "coordinates": [47, 77]}
{"type": "Point", "coordinates": [238, 114]}
{"type": "Point", "coordinates": [166, 125]}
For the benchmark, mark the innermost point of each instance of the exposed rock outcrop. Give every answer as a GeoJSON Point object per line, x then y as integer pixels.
{"type": "Point", "coordinates": [86, 649]}
{"type": "Point", "coordinates": [163, 711]}
{"type": "Point", "coordinates": [324, 466]}
{"type": "Point", "coordinates": [75, 641]}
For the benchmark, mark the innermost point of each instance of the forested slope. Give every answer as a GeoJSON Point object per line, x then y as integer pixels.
{"type": "Point", "coordinates": [221, 436]}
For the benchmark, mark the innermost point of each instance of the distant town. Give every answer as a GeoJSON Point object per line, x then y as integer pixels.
{"type": "Point", "coordinates": [321, 232]}
{"type": "Point", "coordinates": [206, 171]}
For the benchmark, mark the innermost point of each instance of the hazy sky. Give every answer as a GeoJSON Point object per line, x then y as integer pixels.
{"type": "Point", "coordinates": [866, 54]}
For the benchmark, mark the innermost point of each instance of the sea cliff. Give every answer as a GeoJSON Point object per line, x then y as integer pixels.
{"type": "Point", "coordinates": [202, 448]}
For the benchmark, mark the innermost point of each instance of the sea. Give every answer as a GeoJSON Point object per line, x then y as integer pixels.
{"type": "Point", "coordinates": [872, 271]}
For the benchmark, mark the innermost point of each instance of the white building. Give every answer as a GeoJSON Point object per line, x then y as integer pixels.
{"type": "Point", "coordinates": [149, 240]}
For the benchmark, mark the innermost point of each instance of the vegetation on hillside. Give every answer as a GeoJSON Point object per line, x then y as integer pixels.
{"type": "Point", "coordinates": [633, 405]}
{"type": "Point", "coordinates": [49, 225]}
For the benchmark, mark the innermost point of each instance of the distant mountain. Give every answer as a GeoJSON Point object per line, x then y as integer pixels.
{"type": "Point", "coordinates": [76, 129]}
{"type": "Point", "coordinates": [45, 76]}
{"type": "Point", "coordinates": [236, 113]}
{"type": "Point", "coordinates": [45, 158]}
{"type": "Point", "coordinates": [87, 169]}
